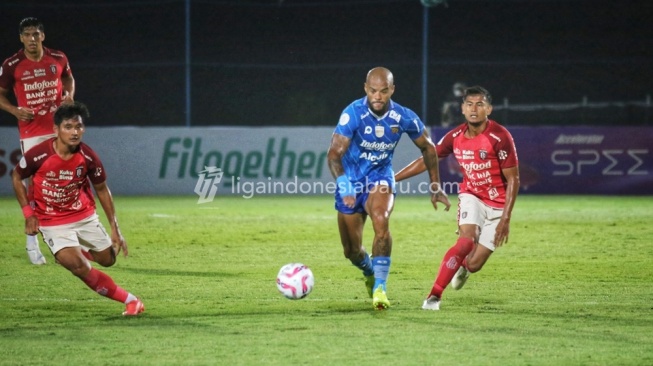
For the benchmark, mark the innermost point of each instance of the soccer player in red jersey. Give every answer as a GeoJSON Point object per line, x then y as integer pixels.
{"type": "Point", "coordinates": [41, 81]}
{"type": "Point", "coordinates": [62, 170]}
{"type": "Point", "coordinates": [487, 156]}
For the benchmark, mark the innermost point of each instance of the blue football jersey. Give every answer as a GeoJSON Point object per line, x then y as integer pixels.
{"type": "Point", "coordinates": [374, 138]}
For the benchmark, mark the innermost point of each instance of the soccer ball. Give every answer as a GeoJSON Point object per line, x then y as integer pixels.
{"type": "Point", "coordinates": [295, 281]}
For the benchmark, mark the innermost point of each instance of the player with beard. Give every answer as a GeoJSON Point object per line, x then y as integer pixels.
{"type": "Point", "coordinates": [487, 156]}
{"type": "Point", "coordinates": [360, 158]}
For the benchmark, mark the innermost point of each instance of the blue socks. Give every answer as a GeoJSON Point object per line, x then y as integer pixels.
{"type": "Point", "coordinates": [381, 267]}
{"type": "Point", "coordinates": [365, 265]}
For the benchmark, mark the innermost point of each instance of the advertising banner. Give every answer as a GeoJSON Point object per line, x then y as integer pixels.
{"type": "Point", "coordinates": [292, 160]}
{"type": "Point", "coordinates": [578, 160]}
{"type": "Point", "coordinates": [207, 161]}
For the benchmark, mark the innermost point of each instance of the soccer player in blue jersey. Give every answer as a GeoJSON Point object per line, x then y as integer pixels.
{"type": "Point", "coordinates": [360, 158]}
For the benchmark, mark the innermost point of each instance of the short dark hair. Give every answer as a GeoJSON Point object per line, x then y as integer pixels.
{"type": "Point", "coordinates": [478, 90]}
{"type": "Point", "coordinates": [30, 22]}
{"type": "Point", "coordinates": [70, 111]}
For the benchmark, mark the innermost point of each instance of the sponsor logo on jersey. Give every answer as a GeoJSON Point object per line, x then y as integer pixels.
{"type": "Point", "coordinates": [40, 85]}
{"type": "Point", "coordinates": [50, 174]}
{"type": "Point", "coordinates": [467, 154]}
{"type": "Point", "coordinates": [39, 72]}
{"type": "Point", "coordinates": [368, 130]}
{"type": "Point", "coordinates": [471, 167]}
{"type": "Point", "coordinates": [98, 172]}
{"type": "Point", "coordinates": [373, 158]}
{"type": "Point", "coordinates": [344, 119]}
{"type": "Point", "coordinates": [482, 154]}
{"type": "Point", "coordinates": [378, 146]}
{"type": "Point", "coordinates": [12, 62]}
{"type": "Point", "coordinates": [495, 137]}
{"type": "Point", "coordinates": [379, 131]}
{"type": "Point", "coordinates": [493, 193]}
{"type": "Point", "coordinates": [37, 158]}
{"type": "Point", "coordinates": [65, 175]}
{"type": "Point", "coordinates": [394, 115]}
{"type": "Point", "coordinates": [502, 154]}
{"type": "Point", "coordinates": [85, 156]}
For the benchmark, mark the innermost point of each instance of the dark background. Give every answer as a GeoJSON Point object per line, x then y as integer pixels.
{"type": "Point", "coordinates": [300, 62]}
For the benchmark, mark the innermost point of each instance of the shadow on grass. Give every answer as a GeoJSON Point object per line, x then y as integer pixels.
{"type": "Point", "coordinates": [171, 272]}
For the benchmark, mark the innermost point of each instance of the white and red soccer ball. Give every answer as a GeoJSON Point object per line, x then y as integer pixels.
{"type": "Point", "coordinates": [295, 281]}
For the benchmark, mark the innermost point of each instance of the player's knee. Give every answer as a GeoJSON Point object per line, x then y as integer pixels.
{"type": "Point", "coordinates": [106, 258]}
{"type": "Point", "coordinates": [79, 270]}
{"type": "Point", "coordinates": [104, 262]}
{"type": "Point", "coordinates": [474, 267]}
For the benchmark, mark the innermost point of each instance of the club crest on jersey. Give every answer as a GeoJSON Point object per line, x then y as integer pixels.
{"type": "Point", "coordinates": [482, 154]}
{"type": "Point", "coordinates": [379, 131]}
{"type": "Point", "coordinates": [78, 171]}
{"type": "Point", "coordinates": [53, 68]}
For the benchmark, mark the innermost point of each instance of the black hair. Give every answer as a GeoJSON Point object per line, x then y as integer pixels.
{"type": "Point", "coordinates": [30, 22]}
{"type": "Point", "coordinates": [70, 111]}
{"type": "Point", "coordinates": [478, 90]}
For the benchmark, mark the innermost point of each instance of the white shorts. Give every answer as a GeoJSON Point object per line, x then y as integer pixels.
{"type": "Point", "coordinates": [472, 210]}
{"type": "Point", "coordinates": [28, 143]}
{"type": "Point", "coordinates": [87, 232]}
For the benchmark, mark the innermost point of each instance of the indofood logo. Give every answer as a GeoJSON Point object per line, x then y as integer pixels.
{"type": "Point", "coordinates": [185, 157]}
{"type": "Point", "coordinates": [40, 85]}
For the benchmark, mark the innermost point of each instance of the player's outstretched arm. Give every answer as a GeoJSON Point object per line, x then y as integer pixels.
{"type": "Point", "coordinates": [106, 200]}
{"type": "Point", "coordinates": [417, 166]}
{"type": "Point", "coordinates": [512, 188]}
{"type": "Point", "coordinates": [430, 162]}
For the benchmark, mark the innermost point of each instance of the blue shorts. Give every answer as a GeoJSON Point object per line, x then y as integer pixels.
{"type": "Point", "coordinates": [363, 189]}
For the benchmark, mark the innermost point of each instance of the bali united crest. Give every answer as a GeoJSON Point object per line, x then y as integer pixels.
{"type": "Point", "coordinates": [482, 154]}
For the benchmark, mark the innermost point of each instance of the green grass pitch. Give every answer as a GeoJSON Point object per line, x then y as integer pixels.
{"type": "Point", "coordinates": [573, 286]}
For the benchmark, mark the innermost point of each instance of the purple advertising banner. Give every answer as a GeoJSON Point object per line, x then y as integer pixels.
{"type": "Point", "coordinates": [577, 160]}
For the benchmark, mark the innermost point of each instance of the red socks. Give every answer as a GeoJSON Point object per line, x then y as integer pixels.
{"type": "Point", "coordinates": [451, 263]}
{"type": "Point", "coordinates": [101, 283]}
